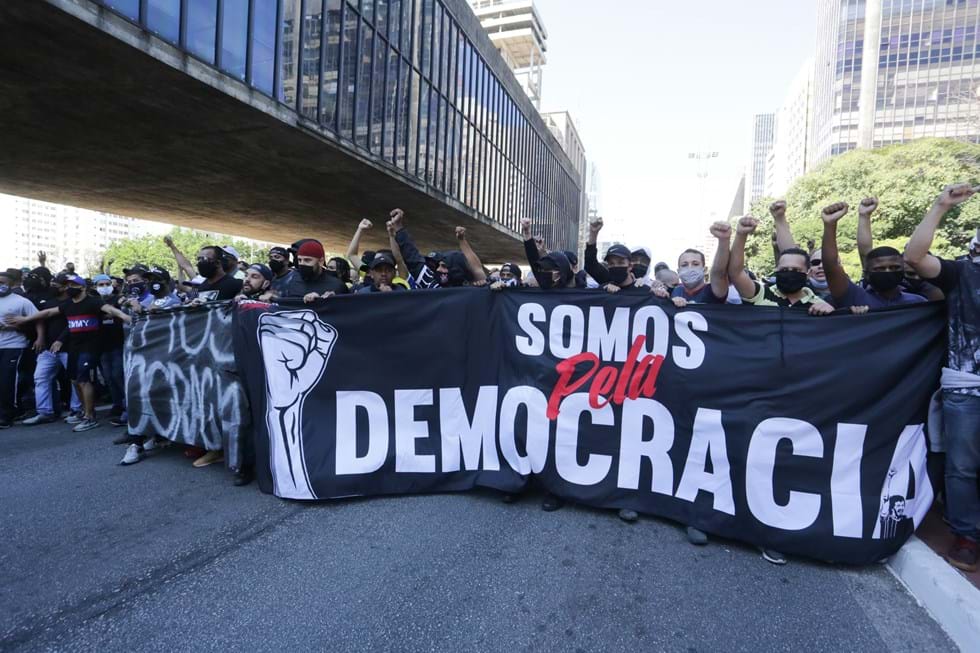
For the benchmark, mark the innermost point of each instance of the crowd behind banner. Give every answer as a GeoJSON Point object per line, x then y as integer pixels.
{"type": "Point", "coordinates": [63, 337]}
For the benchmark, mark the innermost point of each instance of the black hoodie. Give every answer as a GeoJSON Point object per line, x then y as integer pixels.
{"type": "Point", "coordinates": [564, 268]}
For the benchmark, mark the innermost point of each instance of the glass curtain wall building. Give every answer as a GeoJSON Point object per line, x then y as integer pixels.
{"type": "Point", "coordinates": [913, 62]}
{"type": "Point", "coordinates": [400, 81]}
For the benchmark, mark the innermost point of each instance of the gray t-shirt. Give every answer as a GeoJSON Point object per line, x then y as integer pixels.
{"type": "Point", "coordinates": [14, 305]}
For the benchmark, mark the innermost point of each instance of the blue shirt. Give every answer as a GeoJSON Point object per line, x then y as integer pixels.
{"type": "Point", "coordinates": [858, 296]}
{"type": "Point", "coordinates": [704, 296]}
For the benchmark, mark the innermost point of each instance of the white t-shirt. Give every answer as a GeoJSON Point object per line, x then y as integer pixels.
{"type": "Point", "coordinates": [14, 305]}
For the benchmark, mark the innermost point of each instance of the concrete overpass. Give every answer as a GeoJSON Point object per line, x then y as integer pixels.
{"type": "Point", "coordinates": [122, 107]}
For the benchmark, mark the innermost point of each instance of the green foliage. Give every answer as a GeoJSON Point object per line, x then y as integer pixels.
{"type": "Point", "coordinates": [151, 250]}
{"type": "Point", "coordinates": [906, 180]}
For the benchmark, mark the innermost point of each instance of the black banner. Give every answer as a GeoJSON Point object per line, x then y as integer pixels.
{"type": "Point", "coordinates": [761, 424]}
{"type": "Point", "coordinates": [181, 381]}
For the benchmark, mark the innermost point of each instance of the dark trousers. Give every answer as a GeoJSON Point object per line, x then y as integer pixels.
{"type": "Point", "coordinates": [9, 366]}
{"type": "Point", "coordinates": [111, 363]}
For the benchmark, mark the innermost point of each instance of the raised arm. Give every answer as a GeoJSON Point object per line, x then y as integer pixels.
{"type": "Point", "coordinates": [864, 238]}
{"type": "Point", "coordinates": [472, 260]}
{"type": "Point", "coordinates": [784, 237]}
{"type": "Point", "coordinates": [917, 251]}
{"type": "Point", "coordinates": [354, 248]}
{"type": "Point", "coordinates": [182, 261]}
{"type": "Point", "coordinates": [530, 247]}
{"type": "Point", "coordinates": [736, 260]}
{"type": "Point", "coordinates": [719, 267]}
{"type": "Point", "coordinates": [410, 253]}
{"type": "Point", "coordinates": [396, 251]}
{"type": "Point", "coordinates": [593, 267]}
{"type": "Point", "coordinates": [837, 279]}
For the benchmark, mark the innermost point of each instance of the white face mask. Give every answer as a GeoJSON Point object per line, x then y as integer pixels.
{"type": "Point", "coordinates": [105, 291]}
{"type": "Point", "coordinates": [691, 277]}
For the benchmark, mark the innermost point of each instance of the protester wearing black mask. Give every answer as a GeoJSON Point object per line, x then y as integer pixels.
{"type": "Point", "coordinates": [281, 271]}
{"type": "Point", "coordinates": [218, 285]}
{"type": "Point", "coordinates": [159, 285]}
{"type": "Point", "coordinates": [311, 281]}
{"type": "Point", "coordinates": [641, 263]}
{"type": "Point", "coordinates": [136, 293]}
{"type": "Point", "coordinates": [885, 270]}
{"type": "Point", "coordinates": [510, 276]}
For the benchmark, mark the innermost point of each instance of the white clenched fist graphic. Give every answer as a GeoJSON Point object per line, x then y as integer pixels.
{"type": "Point", "coordinates": [295, 348]}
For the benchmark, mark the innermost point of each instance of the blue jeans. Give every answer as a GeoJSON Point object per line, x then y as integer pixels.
{"type": "Point", "coordinates": [961, 419]}
{"type": "Point", "coordinates": [112, 369]}
{"type": "Point", "coordinates": [45, 373]}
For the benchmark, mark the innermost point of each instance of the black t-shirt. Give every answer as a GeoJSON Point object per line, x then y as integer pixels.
{"type": "Point", "coordinates": [960, 280]}
{"type": "Point", "coordinates": [227, 287]}
{"type": "Point", "coordinates": [84, 324]}
{"type": "Point", "coordinates": [53, 326]}
{"type": "Point", "coordinates": [297, 287]}
{"type": "Point", "coordinates": [113, 336]}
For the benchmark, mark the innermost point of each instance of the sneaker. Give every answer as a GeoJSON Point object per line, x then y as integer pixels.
{"type": "Point", "coordinates": [696, 537]}
{"type": "Point", "coordinates": [963, 554]}
{"type": "Point", "coordinates": [154, 442]}
{"type": "Point", "coordinates": [210, 458]}
{"type": "Point", "coordinates": [775, 557]}
{"type": "Point", "coordinates": [39, 419]}
{"type": "Point", "coordinates": [74, 417]}
{"type": "Point", "coordinates": [133, 455]}
{"type": "Point", "coordinates": [86, 424]}
{"type": "Point", "coordinates": [243, 476]}
{"type": "Point", "coordinates": [119, 421]}
{"type": "Point", "coordinates": [628, 516]}
{"type": "Point", "coordinates": [551, 503]}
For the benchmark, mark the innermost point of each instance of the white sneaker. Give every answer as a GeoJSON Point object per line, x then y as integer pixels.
{"type": "Point", "coordinates": [86, 424]}
{"type": "Point", "coordinates": [74, 418]}
{"type": "Point", "coordinates": [153, 442]}
{"type": "Point", "coordinates": [133, 455]}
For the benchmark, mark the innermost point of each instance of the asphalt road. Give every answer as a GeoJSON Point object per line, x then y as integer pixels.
{"type": "Point", "coordinates": [160, 556]}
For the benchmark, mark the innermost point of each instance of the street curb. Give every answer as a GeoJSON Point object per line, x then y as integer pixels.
{"type": "Point", "coordinates": [948, 597]}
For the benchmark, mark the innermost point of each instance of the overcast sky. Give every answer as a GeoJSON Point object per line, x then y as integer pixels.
{"type": "Point", "coordinates": [648, 81]}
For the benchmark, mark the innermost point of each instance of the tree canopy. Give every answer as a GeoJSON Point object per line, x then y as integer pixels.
{"type": "Point", "coordinates": [905, 178]}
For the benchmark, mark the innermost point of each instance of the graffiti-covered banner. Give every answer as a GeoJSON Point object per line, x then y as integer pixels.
{"type": "Point", "coordinates": [181, 381]}
{"type": "Point", "coordinates": [760, 424]}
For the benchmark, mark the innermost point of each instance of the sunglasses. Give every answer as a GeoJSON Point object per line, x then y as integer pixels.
{"type": "Point", "coordinates": [815, 262]}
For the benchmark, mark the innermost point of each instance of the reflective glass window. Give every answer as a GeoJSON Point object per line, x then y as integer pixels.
{"type": "Point", "coordinates": [426, 38]}
{"type": "Point", "coordinates": [381, 18]}
{"type": "Point", "coordinates": [364, 86]}
{"type": "Point", "coordinates": [263, 44]}
{"type": "Point", "coordinates": [163, 18]}
{"type": "Point", "coordinates": [423, 128]}
{"type": "Point", "coordinates": [331, 64]}
{"type": "Point", "coordinates": [348, 79]}
{"type": "Point", "coordinates": [404, 115]}
{"type": "Point", "coordinates": [413, 98]}
{"type": "Point", "coordinates": [367, 10]}
{"type": "Point", "coordinates": [394, 21]}
{"type": "Point", "coordinates": [310, 61]}
{"type": "Point", "coordinates": [234, 37]}
{"type": "Point", "coordinates": [202, 24]}
{"type": "Point", "coordinates": [378, 94]}
{"type": "Point", "coordinates": [128, 8]}
{"type": "Point", "coordinates": [391, 105]}
{"type": "Point", "coordinates": [289, 30]}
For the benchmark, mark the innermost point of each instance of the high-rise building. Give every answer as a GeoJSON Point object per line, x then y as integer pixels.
{"type": "Point", "coordinates": [561, 125]}
{"type": "Point", "coordinates": [516, 29]}
{"type": "Point", "coordinates": [763, 131]}
{"type": "Point", "coordinates": [890, 71]}
{"type": "Point", "coordinates": [788, 157]}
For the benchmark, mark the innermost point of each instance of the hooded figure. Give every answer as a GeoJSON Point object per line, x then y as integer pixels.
{"type": "Point", "coordinates": [544, 271]}
{"type": "Point", "coordinates": [649, 272]}
{"type": "Point", "coordinates": [459, 272]}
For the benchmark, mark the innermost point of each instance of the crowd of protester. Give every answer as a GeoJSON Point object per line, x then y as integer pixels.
{"type": "Point", "coordinates": [62, 336]}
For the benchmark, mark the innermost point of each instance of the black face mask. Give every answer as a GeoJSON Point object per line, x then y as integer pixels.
{"type": "Point", "coordinates": [33, 284]}
{"type": "Point", "coordinates": [207, 268]}
{"type": "Point", "coordinates": [156, 287]}
{"type": "Point", "coordinates": [790, 281]}
{"type": "Point", "coordinates": [74, 292]}
{"type": "Point", "coordinates": [885, 281]}
{"type": "Point", "coordinates": [135, 289]}
{"type": "Point", "coordinates": [640, 270]}
{"type": "Point", "coordinates": [277, 266]}
{"type": "Point", "coordinates": [617, 275]}
{"type": "Point", "coordinates": [228, 265]}
{"type": "Point", "coordinates": [456, 277]}
{"type": "Point", "coordinates": [308, 272]}
{"type": "Point", "coordinates": [547, 282]}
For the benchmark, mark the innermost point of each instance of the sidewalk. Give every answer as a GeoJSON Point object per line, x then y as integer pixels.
{"type": "Point", "coordinates": [951, 596]}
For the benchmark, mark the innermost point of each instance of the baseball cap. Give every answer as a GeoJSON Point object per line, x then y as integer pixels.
{"type": "Point", "coordinates": [381, 259]}
{"type": "Point", "coordinates": [158, 272]}
{"type": "Point", "coordinates": [617, 250]}
{"type": "Point", "coordinates": [262, 269]}
{"type": "Point", "coordinates": [74, 278]}
{"type": "Point", "coordinates": [14, 273]}
{"type": "Point", "coordinates": [310, 248]}
{"type": "Point", "coordinates": [281, 251]}
{"type": "Point", "coordinates": [513, 269]}
{"type": "Point", "coordinates": [228, 249]}
{"type": "Point", "coordinates": [366, 259]}
{"type": "Point", "coordinates": [101, 277]}
{"type": "Point", "coordinates": [136, 268]}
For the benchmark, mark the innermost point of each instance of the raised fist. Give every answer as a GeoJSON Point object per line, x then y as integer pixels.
{"type": "Point", "coordinates": [955, 194]}
{"type": "Point", "coordinates": [460, 233]}
{"type": "Point", "coordinates": [364, 225]}
{"type": "Point", "coordinates": [746, 225]}
{"type": "Point", "coordinates": [42, 257]}
{"type": "Point", "coordinates": [397, 215]}
{"type": "Point", "coordinates": [778, 210]}
{"type": "Point", "coordinates": [868, 206]}
{"type": "Point", "coordinates": [168, 241]}
{"type": "Point", "coordinates": [596, 226]}
{"type": "Point", "coordinates": [834, 212]}
{"type": "Point", "coordinates": [721, 230]}
{"type": "Point", "coordinates": [295, 348]}
{"type": "Point", "coordinates": [526, 228]}
{"type": "Point", "coordinates": [390, 226]}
